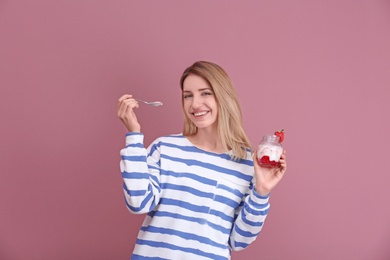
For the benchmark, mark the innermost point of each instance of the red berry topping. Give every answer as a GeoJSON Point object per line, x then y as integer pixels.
{"type": "Point", "coordinates": [265, 162]}
{"type": "Point", "coordinates": [280, 134]}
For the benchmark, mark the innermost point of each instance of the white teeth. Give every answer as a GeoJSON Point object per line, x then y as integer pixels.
{"type": "Point", "coordinates": [200, 113]}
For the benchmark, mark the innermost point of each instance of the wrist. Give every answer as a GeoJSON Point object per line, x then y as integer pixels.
{"type": "Point", "coordinates": [134, 129]}
{"type": "Point", "coordinates": [261, 191]}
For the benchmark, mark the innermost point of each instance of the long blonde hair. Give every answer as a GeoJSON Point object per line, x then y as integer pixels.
{"type": "Point", "coordinates": [230, 129]}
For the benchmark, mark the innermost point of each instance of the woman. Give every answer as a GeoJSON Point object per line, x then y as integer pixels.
{"type": "Point", "coordinates": [202, 193]}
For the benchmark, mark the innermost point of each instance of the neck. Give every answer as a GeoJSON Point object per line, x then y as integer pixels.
{"type": "Point", "coordinates": [207, 139]}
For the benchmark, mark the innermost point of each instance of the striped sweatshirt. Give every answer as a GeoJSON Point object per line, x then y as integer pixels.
{"type": "Point", "coordinates": [199, 204]}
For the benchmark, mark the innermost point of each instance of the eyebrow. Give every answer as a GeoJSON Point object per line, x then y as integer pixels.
{"type": "Point", "coordinates": [202, 89]}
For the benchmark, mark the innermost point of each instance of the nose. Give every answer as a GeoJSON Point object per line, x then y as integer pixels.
{"type": "Point", "coordinates": [196, 102]}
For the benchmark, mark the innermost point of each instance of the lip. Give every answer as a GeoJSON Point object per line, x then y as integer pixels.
{"type": "Point", "coordinates": [199, 114]}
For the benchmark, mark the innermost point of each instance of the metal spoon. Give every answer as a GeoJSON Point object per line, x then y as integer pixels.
{"type": "Point", "coordinates": [154, 103]}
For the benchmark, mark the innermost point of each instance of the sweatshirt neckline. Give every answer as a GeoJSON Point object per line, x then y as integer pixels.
{"type": "Point", "coordinates": [203, 150]}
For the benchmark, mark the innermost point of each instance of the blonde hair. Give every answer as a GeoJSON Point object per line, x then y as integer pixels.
{"type": "Point", "coordinates": [230, 129]}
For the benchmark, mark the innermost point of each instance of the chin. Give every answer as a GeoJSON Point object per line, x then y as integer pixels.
{"type": "Point", "coordinates": [205, 125]}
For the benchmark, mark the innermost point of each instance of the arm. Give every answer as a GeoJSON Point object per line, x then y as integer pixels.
{"type": "Point", "coordinates": [251, 216]}
{"type": "Point", "coordinates": [140, 173]}
{"type": "Point", "coordinates": [249, 220]}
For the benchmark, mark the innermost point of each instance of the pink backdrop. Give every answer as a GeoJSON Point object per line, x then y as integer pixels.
{"type": "Point", "coordinates": [319, 69]}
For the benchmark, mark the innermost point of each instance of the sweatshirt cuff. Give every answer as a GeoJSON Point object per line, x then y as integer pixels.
{"type": "Point", "coordinates": [258, 200]}
{"type": "Point", "coordinates": [134, 138]}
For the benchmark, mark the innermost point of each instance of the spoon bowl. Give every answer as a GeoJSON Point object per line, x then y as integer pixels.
{"type": "Point", "coordinates": [153, 103]}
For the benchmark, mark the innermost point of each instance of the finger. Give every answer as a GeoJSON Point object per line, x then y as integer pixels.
{"type": "Point", "coordinates": [123, 98]}
{"type": "Point", "coordinates": [283, 167]}
{"type": "Point", "coordinates": [126, 106]}
{"type": "Point", "coordinates": [255, 159]}
{"type": "Point", "coordinates": [283, 160]}
{"type": "Point", "coordinates": [128, 102]}
{"type": "Point", "coordinates": [122, 103]}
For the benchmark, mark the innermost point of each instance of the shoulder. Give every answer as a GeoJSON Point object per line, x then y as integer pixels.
{"type": "Point", "coordinates": [171, 139]}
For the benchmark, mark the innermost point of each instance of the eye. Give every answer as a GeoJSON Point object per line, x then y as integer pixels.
{"type": "Point", "coordinates": [207, 93]}
{"type": "Point", "coordinates": [185, 96]}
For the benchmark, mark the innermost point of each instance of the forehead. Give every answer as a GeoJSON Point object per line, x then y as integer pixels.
{"type": "Point", "coordinates": [195, 83]}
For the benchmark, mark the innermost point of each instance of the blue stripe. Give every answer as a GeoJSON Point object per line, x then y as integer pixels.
{"type": "Point", "coordinates": [140, 176]}
{"type": "Point", "coordinates": [137, 193]}
{"type": "Point", "coordinates": [185, 235]}
{"type": "Point", "coordinates": [241, 244]}
{"type": "Point", "coordinates": [194, 149]}
{"type": "Point", "coordinates": [142, 205]}
{"type": "Point", "coordinates": [190, 176]}
{"type": "Point", "coordinates": [221, 215]}
{"type": "Point", "coordinates": [134, 192]}
{"type": "Point", "coordinates": [256, 212]}
{"type": "Point", "coordinates": [133, 134]}
{"type": "Point", "coordinates": [152, 205]}
{"type": "Point", "coordinates": [257, 205]}
{"type": "Point", "coordinates": [210, 166]}
{"type": "Point", "coordinates": [187, 189]}
{"type": "Point", "coordinates": [231, 190]}
{"type": "Point", "coordinates": [139, 158]}
{"type": "Point", "coordinates": [179, 136]}
{"type": "Point", "coordinates": [154, 147]}
{"type": "Point", "coordinates": [184, 249]}
{"type": "Point", "coordinates": [135, 145]}
{"type": "Point", "coordinates": [245, 233]}
{"type": "Point", "coordinates": [249, 222]}
{"type": "Point", "coordinates": [135, 175]}
{"type": "Point", "coordinates": [190, 219]}
{"type": "Point", "coordinates": [226, 201]}
{"type": "Point", "coordinates": [183, 204]}
{"type": "Point", "coordinates": [156, 180]}
{"type": "Point", "coordinates": [195, 208]}
{"type": "Point", "coordinates": [150, 185]}
{"type": "Point", "coordinates": [153, 167]}
{"type": "Point", "coordinates": [257, 195]}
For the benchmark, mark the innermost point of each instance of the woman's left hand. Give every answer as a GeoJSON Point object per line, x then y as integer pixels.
{"type": "Point", "coordinates": [268, 178]}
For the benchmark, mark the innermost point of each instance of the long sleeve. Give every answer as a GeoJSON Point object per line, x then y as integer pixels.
{"type": "Point", "coordinates": [200, 204]}
{"type": "Point", "coordinates": [140, 173]}
{"type": "Point", "coordinates": [249, 221]}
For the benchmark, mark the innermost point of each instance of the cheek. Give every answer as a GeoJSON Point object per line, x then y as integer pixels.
{"type": "Point", "coordinates": [214, 107]}
{"type": "Point", "coordinates": [185, 106]}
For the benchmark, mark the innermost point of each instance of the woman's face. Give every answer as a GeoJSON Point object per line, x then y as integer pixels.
{"type": "Point", "coordinates": [199, 102]}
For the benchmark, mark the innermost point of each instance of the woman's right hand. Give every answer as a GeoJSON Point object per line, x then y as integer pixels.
{"type": "Point", "coordinates": [126, 104]}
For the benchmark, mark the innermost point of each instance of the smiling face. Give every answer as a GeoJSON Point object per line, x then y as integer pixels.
{"type": "Point", "coordinates": [199, 103]}
{"type": "Point", "coordinates": [218, 109]}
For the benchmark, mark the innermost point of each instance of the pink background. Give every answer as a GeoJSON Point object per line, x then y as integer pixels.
{"type": "Point", "coordinates": [319, 69]}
